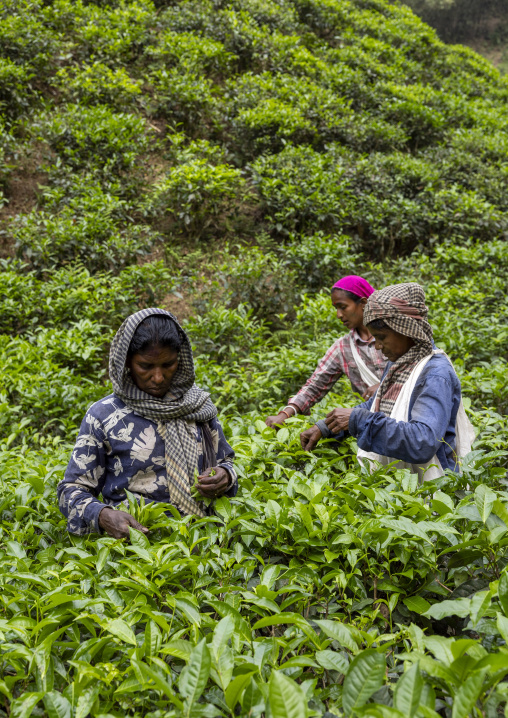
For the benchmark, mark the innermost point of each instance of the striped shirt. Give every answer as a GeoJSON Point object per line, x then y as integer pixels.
{"type": "Point", "coordinates": [339, 361]}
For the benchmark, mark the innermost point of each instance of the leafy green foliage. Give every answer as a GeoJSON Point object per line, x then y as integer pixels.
{"type": "Point", "coordinates": [262, 148]}
{"type": "Point", "coordinates": [201, 192]}
{"type": "Point", "coordinates": [98, 84]}
{"type": "Point", "coordinates": [245, 607]}
{"type": "Point", "coordinates": [95, 136]}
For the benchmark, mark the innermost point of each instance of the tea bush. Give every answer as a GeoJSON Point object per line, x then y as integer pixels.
{"type": "Point", "coordinates": [53, 399]}
{"type": "Point", "coordinates": [220, 331]}
{"type": "Point", "coordinates": [94, 239]}
{"type": "Point", "coordinates": [201, 193]}
{"type": "Point", "coordinates": [15, 88]}
{"type": "Point", "coordinates": [95, 136]}
{"type": "Point", "coordinates": [148, 629]}
{"type": "Point", "coordinates": [114, 34]}
{"type": "Point", "coordinates": [301, 188]}
{"type": "Point", "coordinates": [230, 159]}
{"type": "Point", "coordinates": [26, 39]}
{"type": "Point", "coordinates": [190, 53]}
{"type": "Point", "coordinates": [98, 84]}
{"type": "Point", "coordinates": [72, 293]}
{"type": "Point", "coordinates": [183, 98]}
{"type": "Point", "coordinates": [6, 144]}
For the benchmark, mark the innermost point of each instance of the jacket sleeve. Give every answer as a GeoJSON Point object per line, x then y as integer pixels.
{"type": "Point", "coordinates": [84, 479]}
{"type": "Point", "coordinates": [225, 458]}
{"type": "Point", "coordinates": [415, 441]}
{"type": "Point", "coordinates": [325, 431]}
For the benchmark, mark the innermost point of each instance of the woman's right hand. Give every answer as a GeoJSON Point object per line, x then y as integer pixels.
{"type": "Point", "coordinates": [116, 523]}
{"type": "Point", "coordinates": [370, 391]}
{"type": "Point", "coordinates": [275, 421]}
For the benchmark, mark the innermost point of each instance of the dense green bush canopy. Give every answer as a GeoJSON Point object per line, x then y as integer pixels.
{"type": "Point", "coordinates": [230, 161]}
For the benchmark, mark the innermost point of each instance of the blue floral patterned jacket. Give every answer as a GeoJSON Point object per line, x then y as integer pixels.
{"type": "Point", "coordinates": [117, 449]}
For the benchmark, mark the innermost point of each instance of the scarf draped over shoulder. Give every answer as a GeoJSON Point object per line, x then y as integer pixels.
{"type": "Point", "coordinates": [402, 308]}
{"type": "Point", "coordinates": [176, 413]}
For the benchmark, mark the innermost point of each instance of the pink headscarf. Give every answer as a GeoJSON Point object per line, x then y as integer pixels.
{"type": "Point", "coordinates": [355, 284]}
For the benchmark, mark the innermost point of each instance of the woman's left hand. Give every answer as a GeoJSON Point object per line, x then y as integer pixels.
{"type": "Point", "coordinates": [338, 420]}
{"type": "Point", "coordinates": [211, 486]}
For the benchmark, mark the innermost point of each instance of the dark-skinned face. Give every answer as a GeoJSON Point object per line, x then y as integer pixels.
{"type": "Point", "coordinates": [348, 311]}
{"type": "Point", "coordinates": [391, 343]}
{"type": "Point", "coordinates": [153, 369]}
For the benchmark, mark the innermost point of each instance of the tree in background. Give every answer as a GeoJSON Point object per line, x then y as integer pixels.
{"type": "Point", "coordinates": [465, 20]}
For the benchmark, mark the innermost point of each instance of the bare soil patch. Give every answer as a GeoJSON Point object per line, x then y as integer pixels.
{"type": "Point", "coordinates": [181, 307]}
{"type": "Point", "coordinates": [22, 193]}
{"type": "Point", "coordinates": [23, 186]}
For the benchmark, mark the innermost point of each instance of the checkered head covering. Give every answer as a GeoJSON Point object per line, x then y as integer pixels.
{"type": "Point", "coordinates": [402, 308]}
{"type": "Point", "coordinates": [176, 413]}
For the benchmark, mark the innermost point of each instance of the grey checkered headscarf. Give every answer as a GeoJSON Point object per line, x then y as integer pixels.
{"type": "Point", "coordinates": [176, 413]}
{"type": "Point", "coordinates": [402, 308]}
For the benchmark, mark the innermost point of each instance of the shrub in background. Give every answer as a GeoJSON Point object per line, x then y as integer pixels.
{"type": "Point", "coordinates": [190, 53]}
{"type": "Point", "coordinates": [301, 189]}
{"type": "Point", "coordinates": [318, 260]}
{"type": "Point", "coordinates": [52, 397]}
{"type": "Point", "coordinates": [16, 88]}
{"type": "Point", "coordinates": [94, 137]}
{"type": "Point", "coordinates": [72, 293]}
{"type": "Point", "coordinates": [183, 98]}
{"type": "Point", "coordinates": [26, 40]}
{"type": "Point", "coordinates": [98, 84]}
{"type": "Point", "coordinates": [93, 227]}
{"type": "Point", "coordinates": [114, 34]}
{"type": "Point", "coordinates": [224, 332]}
{"type": "Point", "coordinates": [201, 193]}
{"type": "Point", "coordinates": [6, 167]}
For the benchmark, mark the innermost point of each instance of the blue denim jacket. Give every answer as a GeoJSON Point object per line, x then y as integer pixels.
{"type": "Point", "coordinates": [432, 416]}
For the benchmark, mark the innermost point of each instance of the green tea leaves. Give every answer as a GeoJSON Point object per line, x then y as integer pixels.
{"type": "Point", "coordinates": [120, 629]}
{"type": "Point", "coordinates": [467, 695]}
{"type": "Point", "coordinates": [416, 604]}
{"type": "Point", "coordinates": [406, 697]}
{"type": "Point", "coordinates": [194, 676]}
{"type": "Point", "coordinates": [332, 661]}
{"type": "Point", "coordinates": [23, 706]}
{"type": "Point", "coordinates": [286, 698]}
{"type": "Point", "coordinates": [484, 499]}
{"type": "Point", "coordinates": [57, 706]}
{"type": "Point", "coordinates": [365, 676]}
{"type": "Point", "coordinates": [346, 635]}
{"type": "Point", "coordinates": [443, 609]}
{"type": "Point", "coordinates": [503, 591]}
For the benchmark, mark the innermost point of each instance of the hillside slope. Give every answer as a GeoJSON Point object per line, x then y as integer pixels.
{"type": "Point", "coordinates": [203, 116]}
{"type": "Point", "coordinates": [317, 130]}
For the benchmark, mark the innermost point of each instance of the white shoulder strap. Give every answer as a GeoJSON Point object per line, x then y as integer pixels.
{"type": "Point", "coordinates": [400, 411]}
{"type": "Point", "coordinates": [367, 374]}
{"type": "Point", "coordinates": [464, 432]}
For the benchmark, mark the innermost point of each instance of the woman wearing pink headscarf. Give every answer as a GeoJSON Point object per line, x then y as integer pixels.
{"type": "Point", "coordinates": [353, 355]}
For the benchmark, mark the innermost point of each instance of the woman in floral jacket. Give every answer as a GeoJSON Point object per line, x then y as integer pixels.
{"type": "Point", "coordinates": [150, 437]}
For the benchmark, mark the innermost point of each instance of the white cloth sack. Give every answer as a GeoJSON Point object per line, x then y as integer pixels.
{"type": "Point", "coordinates": [367, 374]}
{"type": "Point", "coordinates": [464, 432]}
